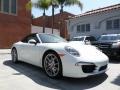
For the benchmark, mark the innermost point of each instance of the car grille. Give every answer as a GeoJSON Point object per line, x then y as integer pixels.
{"type": "Point", "coordinates": [103, 45]}
{"type": "Point", "coordinates": [103, 68]}
{"type": "Point", "coordinates": [88, 68]}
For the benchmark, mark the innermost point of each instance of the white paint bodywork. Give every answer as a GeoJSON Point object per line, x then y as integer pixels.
{"type": "Point", "coordinates": [33, 54]}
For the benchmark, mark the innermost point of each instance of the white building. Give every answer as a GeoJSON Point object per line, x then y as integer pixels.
{"type": "Point", "coordinates": [96, 22]}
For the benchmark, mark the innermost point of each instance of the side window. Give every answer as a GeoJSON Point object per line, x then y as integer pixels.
{"type": "Point", "coordinates": [90, 39]}
{"type": "Point", "coordinates": [118, 37]}
{"type": "Point", "coordinates": [26, 39]}
{"type": "Point", "coordinates": [103, 38]}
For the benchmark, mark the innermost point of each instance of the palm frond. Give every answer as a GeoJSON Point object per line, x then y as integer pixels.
{"type": "Point", "coordinates": [29, 5]}
{"type": "Point", "coordinates": [74, 2]}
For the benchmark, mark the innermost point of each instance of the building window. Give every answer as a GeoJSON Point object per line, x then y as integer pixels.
{"type": "Point", "coordinates": [87, 27]}
{"type": "Point", "coordinates": [8, 6]}
{"type": "Point", "coordinates": [78, 28]}
{"type": "Point", "coordinates": [83, 28]}
{"type": "Point", "coordinates": [109, 24]}
{"type": "Point", "coordinates": [0, 4]}
{"type": "Point", "coordinates": [116, 24]}
{"type": "Point", "coordinates": [113, 24]}
{"type": "Point", "coordinates": [13, 6]}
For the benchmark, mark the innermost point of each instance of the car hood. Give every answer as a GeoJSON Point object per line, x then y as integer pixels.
{"type": "Point", "coordinates": [89, 53]}
{"type": "Point", "coordinates": [107, 42]}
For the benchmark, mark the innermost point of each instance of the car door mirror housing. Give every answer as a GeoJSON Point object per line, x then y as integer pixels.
{"type": "Point", "coordinates": [87, 42]}
{"type": "Point", "coordinates": [32, 41]}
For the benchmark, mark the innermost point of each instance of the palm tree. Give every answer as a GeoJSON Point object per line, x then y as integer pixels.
{"type": "Point", "coordinates": [69, 3]}
{"type": "Point", "coordinates": [54, 4]}
{"type": "Point", "coordinates": [41, 4]}
{"type": "Point", "coordinates": [63, 3]}
{"type": "Point", "coordinates": [44, 5]}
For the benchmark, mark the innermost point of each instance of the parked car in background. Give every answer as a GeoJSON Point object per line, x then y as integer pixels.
{"type": "Point", "coordinates": [109, 44]}
{"type": "Point", "coordinates": [58, 57]}
{"type": "Point", "coordinates": [84, 39]}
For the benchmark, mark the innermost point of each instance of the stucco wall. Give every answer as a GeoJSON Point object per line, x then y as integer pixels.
{"type": "Point", "coordinates": [97, 23]}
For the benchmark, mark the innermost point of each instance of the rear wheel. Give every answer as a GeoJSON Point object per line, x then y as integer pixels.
{"type": "Point", "coordinates": [14, 55]}
{"type": "Point", "coordinates": [52, 65]}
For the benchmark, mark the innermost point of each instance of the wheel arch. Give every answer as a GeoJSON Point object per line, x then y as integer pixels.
{"type": "Point", "coordinates": [48, 51]}
{"type": "Point", "coordinates": [14, 47]}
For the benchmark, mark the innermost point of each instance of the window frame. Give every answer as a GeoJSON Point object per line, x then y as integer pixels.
{"type": "Point", "coordinates": [80, 26]}
{"type": "Point", "coordinates": [26, 39]}
{"type": "Point", "coordinates": [87, 25]}
{"type": "Point", "coordinates": [10, 7]}
{"type": "Point", "coordinates": [112, 27]}
{"type": "Point", "coordinates": [16, 7]}
{"type": "Point", "coordinates": [118, 23]}
{"type": "Point", "coordinates": [4, 8]}
{"type": "Point", "coordinates": [0, 5]}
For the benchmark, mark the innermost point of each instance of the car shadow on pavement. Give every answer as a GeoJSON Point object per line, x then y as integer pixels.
{"type": "Point", "coordinates": [38, 76]}
{"type": "Point", "coordinates": [116, 81]}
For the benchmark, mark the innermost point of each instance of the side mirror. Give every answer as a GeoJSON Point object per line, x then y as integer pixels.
{"type": "Point", "coordinates": [32, 41]}
{"type": "Point", "coordinates": [87, 42]}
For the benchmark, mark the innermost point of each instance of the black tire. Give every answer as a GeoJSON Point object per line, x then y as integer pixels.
{"type": "Point", "coordinates": [14, 55]}
{"type": "Point", "coordinates": [52, 65]}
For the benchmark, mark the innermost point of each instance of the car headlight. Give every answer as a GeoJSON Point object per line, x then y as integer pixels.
{"type": "Point", "coordinates": [116, 45]}
{"type": "Point", "coordinates": [72, 51]}
{"type": "Point", "coordinates": [83, 63]}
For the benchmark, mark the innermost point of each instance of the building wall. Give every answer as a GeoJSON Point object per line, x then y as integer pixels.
{"type": "Point", "coordinates": [14, 27]}
{"type": "Point", "coordinates": [59, 22]}
{"type": "Point", "coordinates": [36, 29]}
{"type": "Point", "coordinates": [97, 23]}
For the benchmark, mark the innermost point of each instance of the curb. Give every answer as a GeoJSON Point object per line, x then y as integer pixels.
{"type": "Point", "coordinates": [5, 51]}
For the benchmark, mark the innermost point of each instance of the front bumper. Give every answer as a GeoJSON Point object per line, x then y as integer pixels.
{"type": "Point", "coordinates": [70, 70]}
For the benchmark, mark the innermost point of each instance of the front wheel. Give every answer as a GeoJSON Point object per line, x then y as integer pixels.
{"type": "Point", "coordinates": [14, 55]}
{"type": "Point", "coordinates": [52, 65]}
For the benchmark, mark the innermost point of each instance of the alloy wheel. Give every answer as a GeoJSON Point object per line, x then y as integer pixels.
{"type": "Point", "coordinates": [52, 65]}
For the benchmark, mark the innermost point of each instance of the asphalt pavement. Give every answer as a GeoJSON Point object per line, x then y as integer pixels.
{"type": "Point", "coordinates": [23, 76]}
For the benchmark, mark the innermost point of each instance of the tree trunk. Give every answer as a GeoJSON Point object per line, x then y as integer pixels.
{"type": "Point", "coordinates": [61, 9]}
{"type": "Point", "coordinates": [44, 21]}
{"type": "Point", "coordinates": [61, 20]}
{"type": "Point", "coordinates": [52, 18]}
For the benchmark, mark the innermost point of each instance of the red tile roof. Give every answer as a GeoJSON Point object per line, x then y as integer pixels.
{"type": "Point", "coordinates": [100, 10]}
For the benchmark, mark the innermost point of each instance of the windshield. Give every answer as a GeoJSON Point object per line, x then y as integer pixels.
{"type": "Point", "coordinates": [49, 38]}
{"type": "Point", "coordinates": [114, 37]}
{"type": "Point", "coordinates": [78, 39]}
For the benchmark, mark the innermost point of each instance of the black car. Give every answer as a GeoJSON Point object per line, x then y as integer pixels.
{"type": "Point", "coordinates": [109, 44]}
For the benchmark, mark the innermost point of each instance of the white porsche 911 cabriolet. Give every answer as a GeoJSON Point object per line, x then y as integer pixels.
{"type": "Point", "coordinates": [58, 57]}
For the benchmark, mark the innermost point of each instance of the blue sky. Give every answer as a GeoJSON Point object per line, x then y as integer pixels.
{"type": "Point", "coordinates": [87, 6]}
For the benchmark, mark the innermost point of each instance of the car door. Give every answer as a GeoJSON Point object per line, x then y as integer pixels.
{"type": "Point", "coordinates": [30, 51]}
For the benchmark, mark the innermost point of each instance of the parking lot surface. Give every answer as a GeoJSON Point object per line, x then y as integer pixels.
{"type": "Point", "coordinates": [24, 76]}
